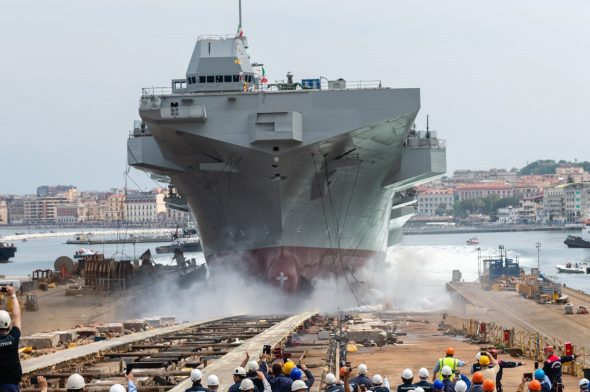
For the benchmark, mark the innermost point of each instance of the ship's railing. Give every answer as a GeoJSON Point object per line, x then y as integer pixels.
{"type": "Point", "coordinates": [216, 36]}
{"type": "Point", "coordinates": [425, 142]}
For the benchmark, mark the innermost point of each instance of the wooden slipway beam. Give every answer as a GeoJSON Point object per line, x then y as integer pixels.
{"type": "Point", "coordinates": [224, 366]}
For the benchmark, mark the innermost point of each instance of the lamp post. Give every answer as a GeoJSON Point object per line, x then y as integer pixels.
{"type": "Point", "coordinates": [538, 246]}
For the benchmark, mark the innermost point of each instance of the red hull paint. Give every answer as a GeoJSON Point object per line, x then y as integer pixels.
{"type": "Point", "coordinates": [295, 263]}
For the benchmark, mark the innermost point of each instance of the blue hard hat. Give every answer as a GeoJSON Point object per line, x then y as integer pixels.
{"type": "Point", "coordinates": [539, 374]}
{"type": "Point", "coordinates": [296, 374]}
{"type": "Point", "coordinates": [438, 384]}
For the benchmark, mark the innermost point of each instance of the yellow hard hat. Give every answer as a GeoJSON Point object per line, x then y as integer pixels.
{"type": "Point", "coordinates": [287, 367]}
{"type": "Point", "coordinates": [484, 360]}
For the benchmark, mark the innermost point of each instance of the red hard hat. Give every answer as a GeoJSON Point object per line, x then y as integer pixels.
{"type": "Point", "coordinates": [477, 378]}
{"type": "Point", "coordinates": [450, 351]}
{"type": "Point", "coordinates": [489, 385]}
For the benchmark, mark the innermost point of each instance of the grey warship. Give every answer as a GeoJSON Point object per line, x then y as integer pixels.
{"type": "Point", "coordinates": [289, 180]}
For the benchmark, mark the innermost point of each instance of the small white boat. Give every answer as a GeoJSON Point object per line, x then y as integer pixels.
{"type": "Point", "coordinates": [80, 253]}
{"type": "Point", "coordinates": [473, 241]}
{"type": "Point", "coordinates": [573, 268]}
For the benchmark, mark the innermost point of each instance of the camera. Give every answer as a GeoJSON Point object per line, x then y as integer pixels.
{"type": "Point", "coordinates": [266, 349]}
{"type": "Point", "coordinates": [528, 376]}
{"type": "Point", "coordinates": [3, 289]}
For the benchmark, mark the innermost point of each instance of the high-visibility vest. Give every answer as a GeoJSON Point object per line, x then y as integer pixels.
{"type": "Point", "coordinates": [447, 361]}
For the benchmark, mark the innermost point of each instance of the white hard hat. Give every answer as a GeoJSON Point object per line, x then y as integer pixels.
{"type": "Point", "coordinates": [212, 380]}
{"type": "Point", "coordinates": [75, 381]}
{"type": "Point", "coordinates": [239, 371]}
{"type": "Point", "coordinates": [478, 356]}
{"type": "Point", "coordinates": [407, 374]}
{"type": "Point", "coordinates": [583, 382]}
{"type": "Point", "coordinates": [252, 366]}
{"type": "Point", "coordinates": [4, 319]}
{"type": "Point", "coordinates": [196, 375]}
{"type": "Point", "coordinates": [297, 385]}
{"type": "Point", "coordinates": [377, 379]}
{"type": "Point", "coordinates": [117, 388]}
{"type": "Point", "coordinates": [423, 373]}
{"type": "Point", "coordinates": [460, 386]}
{"type": "Point", "coordinates": [418, 389]}
{"type": "Point", "coordinates": [446, 371]}
{"type": "Point", "coordinates": [246, 385]}
{"type": "Point", "coordinates": [330, 378]}
{"type": "Point", "coordinates": [363, 369]}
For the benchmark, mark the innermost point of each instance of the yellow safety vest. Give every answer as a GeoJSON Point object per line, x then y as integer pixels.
{"type": "Point", "coordinates": [447, 361]}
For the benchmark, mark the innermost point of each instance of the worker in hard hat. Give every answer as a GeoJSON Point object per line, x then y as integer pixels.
{"type": "Point", "coordinates": [130, 385]}
{"type": "Point", "coordinates": [583, 384]}
{"type": "Point", "coordinates": [380, 384]}
{"type": "Point", "coordinates": [239, 375]}
{"type": "Point", "coordinates": [540, 376]}
{"type": "Point", "coordinates": [460, 386]}
{"type": "Point", "coordinates": [407, 384]}
{"type": "Point", "coordinates": [213, 383]}
{"type": "Point", "coordinates": [489, 368]}
{"type": "Point", "coordinates": [489, 385]}
{"type": "Point", "coordinates": [423, 383]}
{"type": "Point", "coordinates": [448, 379]}
{"type": "Point", "coordinates": [552, 367]}
{"type": "Point", "coordinates": [476, 382]}
{"type": "Point", "coordinates": [298, 372]}
{"type": "Point", "coordinates": [252, 368]}
{"type": "Point", "coordinates": [299, 386]}
{"type": "Point", "coordinates": [10, 331]}
{"type": "Point", "coordinates": [503, 365]}
{"type": "Point", "coordinates": [533, 386]}
{"type": "Point", "coordinates": [196, 377]}
{"type": "Point", "coordinates": [437, 386]}
{"type": "Point", "coordinates": [332, 384]}
{"type": "Point", "coordinates": [461, 377]}
{"type": "Point", "coordinates": [75, 383]}
{"type": "Point", "coordinates": [247, 385]}
{"type": "Point", "coordinates": [449, 360]}
{"type": "Point", "coordinates": [361, 382]}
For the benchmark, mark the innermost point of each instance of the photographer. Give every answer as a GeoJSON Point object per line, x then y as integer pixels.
{"type": "Point", "coordinates": [10, 331]}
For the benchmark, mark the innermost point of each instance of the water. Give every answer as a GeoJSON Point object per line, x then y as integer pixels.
{"type": "Point", "coordinates": [416, 270]}
{"type": "Point", "coordinates": [40, 253]}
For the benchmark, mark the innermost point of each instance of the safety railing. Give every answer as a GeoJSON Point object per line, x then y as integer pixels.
{"type": "Point", "coordinates": [424, 142]}
{"type": "Point", "coordinates": [529, 343]}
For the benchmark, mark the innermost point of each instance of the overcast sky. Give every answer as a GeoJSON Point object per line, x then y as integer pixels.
{"type": "Point", "coordinates": [505, 81]}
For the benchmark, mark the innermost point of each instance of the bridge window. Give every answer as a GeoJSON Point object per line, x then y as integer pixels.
{"type": "Point", "coordinates": [193, 79]}
{"type": "Point", "coordinates": [227, 78]}
{"type": "Point", "coordinates": [236, 78]}
{"type": "Point", "coordinates": [210, 79]}
{"type": "Point", "coordinates": [219, 79]}
{"type": "Point", "coordinates": [202, 79]}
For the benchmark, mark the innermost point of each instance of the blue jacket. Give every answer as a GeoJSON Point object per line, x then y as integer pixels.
{"type": "Point", "coordinates": [280, 384]}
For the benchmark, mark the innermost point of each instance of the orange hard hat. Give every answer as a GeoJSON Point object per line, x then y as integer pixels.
{"type": "Point", "coordinates": [477, 378]}
{"type": "Point", "coordinates": [534, 385]}
{"type": "Point", "coordinates": [489, 385]}
{"type": "Point", "coordinates": [450, 351]}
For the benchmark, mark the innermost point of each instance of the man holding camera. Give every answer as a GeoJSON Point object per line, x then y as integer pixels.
{"type": "Point", "coordinates": [11, 373]}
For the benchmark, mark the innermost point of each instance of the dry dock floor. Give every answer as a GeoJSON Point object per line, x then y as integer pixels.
{"type": "Point", "coordinates": [423, 345]}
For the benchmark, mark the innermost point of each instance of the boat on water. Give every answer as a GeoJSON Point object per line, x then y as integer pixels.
{"type": "Point", "coordinates": [582, 241]}
{"type": "Point", "coordinates": [288, 180]}
{"type": "Point", "coordinates": [7, 251]}
{"type": "Point", "coordinates": [83, 252]}
{"type": "Point", "coordinates": [472, 241]}
{"type": "Point", "coordinates": [573, 268]}
{"type": "Point", "coordinates": [183, 244]}
{"type": "Point", "coordinates": [82, 239]}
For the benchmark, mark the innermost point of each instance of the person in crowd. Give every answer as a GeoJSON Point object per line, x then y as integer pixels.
{"type": "Point", "coordinates": [423, 383]}
{"type": "Point", "coordinates": [362, 381]}
{"type": "Point", "coordinates": [503, 365]}
{"type": "Point", "coordinates": [196, 377]}
{"type": "Point", "coordinates": [299, 386]}
{"type": "Point", "coordinates": [130, 385]}
{"type": "Point", "coordinates": [583, 384]}
{"type": "Point", "coordinates": [332, 384]}
{"type": "Point", "coordinates": [489, 385]}
{"type": "Point", "coordinates": [213, 383]}
{"type": "Point", "coordinates": [379, 384]}
{"type": "Point", "coordinates": [460, 386]}
{"type": "Point", "coordinates": [552, 367]}
{"type": "Point", "coordinates": [533, 386]}
{"type": "Point", "coordinates": [449, 360]}
{"type": "Point", "coordinates": [287, 367]}
{"type": "Point", "coordinates": [239, 375]}
{"type": "Point", "coordinates": [247, 385]}
{"type": "Point", "coordinates": [448, 384]}
{"type": "Point", "coordinates": [489, 368]}
{"type": "Point", "coordinates": [461, 377]}
{"type": "Point", "coordinates": [279, 382]}
{"type": "Point", "coordinates": [437, 386]}
{"type": "Point", "coordinates": [298, 372]}
{"type": "Point", "coordinates": [407, 381]}
{"type": "Point", "coordinates": [252, 368]}
{"type": "Point", "coordinates": [10, 331]}
{"type": "Point", "coordinates": [75, 383]}
{"type": "Point", "coordinates": [477, 382]}
{"type": "Point", "coordinates": [540, 376]}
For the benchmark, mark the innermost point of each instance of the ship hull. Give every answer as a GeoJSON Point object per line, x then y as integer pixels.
{"type": "Point", "coordinates": [294, 208]}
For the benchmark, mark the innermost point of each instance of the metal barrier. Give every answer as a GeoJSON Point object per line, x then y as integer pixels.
{"type": "Point", "coordinates": [530, 343]}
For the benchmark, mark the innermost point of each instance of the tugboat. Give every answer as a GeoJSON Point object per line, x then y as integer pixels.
{"type": "Point", "coordinates": [183, 244]}
{"type": "Point", "coordinates": [7, 250]}
{"type": "Point", "coordinates": [573, 241]}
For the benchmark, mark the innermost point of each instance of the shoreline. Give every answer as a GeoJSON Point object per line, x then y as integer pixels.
{"type": "Point", "coordinates": [476, 229]}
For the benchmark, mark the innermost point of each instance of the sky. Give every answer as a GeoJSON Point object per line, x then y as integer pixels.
{"type": "Point", "coordinates": [505, 82]}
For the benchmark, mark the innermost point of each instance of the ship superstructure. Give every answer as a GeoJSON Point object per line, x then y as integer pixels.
{"type": "Point", "coordinates": [289, 180]}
